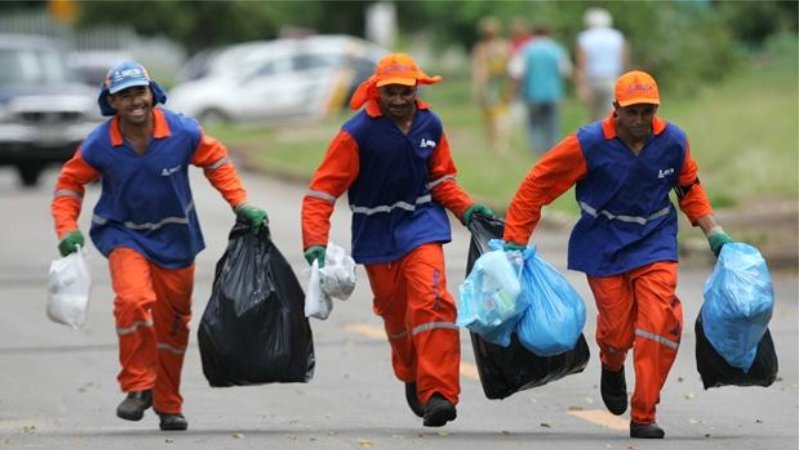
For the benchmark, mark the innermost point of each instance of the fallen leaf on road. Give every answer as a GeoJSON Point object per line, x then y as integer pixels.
{"type": "Point", "coordinates": [237, 436]}
{"type": "Point", "coordinates": [366, 443]}
{"type": "Point", "coordinates": [545, 425]}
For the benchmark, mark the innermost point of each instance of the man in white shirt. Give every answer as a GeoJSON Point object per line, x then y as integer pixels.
{"type": "Point", "coordinates": [602, 56]}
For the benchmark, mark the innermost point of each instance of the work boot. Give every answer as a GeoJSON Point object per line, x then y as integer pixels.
{"type": "Point", "coordinates": [134, 405]}
{"type": "Point", "coordinates": [646, 430]}
{"type": "Point", "coordinates": [614, 390]}
{"type": "Point", "coordinates": [438, 411]}
{"type": "Point", "coordinates": [172, 421]}
{"type": "Point", "coordinates": [413, 399]}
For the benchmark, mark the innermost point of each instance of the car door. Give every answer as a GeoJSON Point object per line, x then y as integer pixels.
{"type": "Point", "coordinates": [268, 90]}
{"type": "Point", "coordinates": [317, 75]}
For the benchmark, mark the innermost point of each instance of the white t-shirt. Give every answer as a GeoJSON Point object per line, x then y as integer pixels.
{"type": "Point", "coordinates": [603, 48]}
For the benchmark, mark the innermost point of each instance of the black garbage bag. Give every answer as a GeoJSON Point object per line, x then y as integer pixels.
{"type": "Point", "coordinates": [716, 372]}
{"type": "Point", "coordinates": [507, 370]}
{"type": "Point", "coordinates": [254, 329]}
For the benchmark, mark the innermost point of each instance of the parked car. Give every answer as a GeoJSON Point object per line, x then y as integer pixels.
{"type": "Point", "coordinates": [91, 66]}
{"type": "Point", "coordinates": [307, 78]}
{"type": "Point", "coordinates": [44, 111]}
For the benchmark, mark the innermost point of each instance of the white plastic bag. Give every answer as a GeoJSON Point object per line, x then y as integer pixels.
{"type": "Point", "coordinates": [69, 284]}
{"type": "Point", "coordinates": [317, 303]}
{"type": "Point", "coordinates": [338, 274]}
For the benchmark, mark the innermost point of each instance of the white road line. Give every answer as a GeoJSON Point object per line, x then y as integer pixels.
{"type": "Point", "coordinates": [601, 417]}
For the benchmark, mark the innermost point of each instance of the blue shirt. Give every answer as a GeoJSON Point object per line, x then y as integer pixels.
{"type": "Point", "coordinates": [545, 62]}
{"type": "Point", "coordinates": [627, 218]}
{"type": "Point", "coordinates": [391, 201]}
{"type": "Point", "coordinates": [146, 202]}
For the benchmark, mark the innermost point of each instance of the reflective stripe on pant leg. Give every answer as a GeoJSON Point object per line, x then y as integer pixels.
{"type": "Point", "coordinates": [658, 332]}
{"type": "Point", "coordinates": [171, 314]}
{"type": "Point", "coordinates": [615, 318]}
{"type": "Point", "coordinates": [390, 304]}
{"type": "Point", "coordinates": [432, 314]}
{"type": "Point", "coordinates": [130, 277]}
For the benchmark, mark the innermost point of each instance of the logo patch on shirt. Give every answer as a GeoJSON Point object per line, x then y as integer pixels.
{"type": "Point", "coordinates": [427, 143]}
{"type": "Point", "coordinates": [662, 173]}
{"type": "Point", "coordinates": [170, 171]}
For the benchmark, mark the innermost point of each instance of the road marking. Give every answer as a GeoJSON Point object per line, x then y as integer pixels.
{"type": "Point", "coordinates": [367, 330]}
{"type": "Point", "coordinates": [468, 370]}
{"type": "Point", "coordinates": [601, 417]}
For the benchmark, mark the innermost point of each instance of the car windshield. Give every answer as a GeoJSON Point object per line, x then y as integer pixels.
{"type": "Point", "coordinates": [32, 66]}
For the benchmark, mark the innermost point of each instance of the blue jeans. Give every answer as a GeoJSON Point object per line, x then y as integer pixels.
{"type": "Point", "coordinates": [543, 126]}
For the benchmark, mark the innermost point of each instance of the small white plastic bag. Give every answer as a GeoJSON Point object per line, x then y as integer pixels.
{"type": "Point", "coordinates": [69, 285]}
{"type": "Point", "coordinates": [338, 274]}
{"type": "Point", "coordinates": [317, 303]}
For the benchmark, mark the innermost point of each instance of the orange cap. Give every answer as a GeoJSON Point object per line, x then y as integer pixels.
{"type": "Point", "coordinates": [395, 68]}
{"type": "Point", "coordinates": [637, 87]}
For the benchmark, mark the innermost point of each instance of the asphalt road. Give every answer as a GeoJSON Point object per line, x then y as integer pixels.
{"type": "Point", "coordinates": [59, 391]}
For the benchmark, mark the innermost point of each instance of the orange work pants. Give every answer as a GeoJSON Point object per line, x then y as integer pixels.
{"type": "Point", "coordinates": [411, 296]}
{"type": "Point", "coordinates": [640, 310]}
{"type": "Point", "coordinates": [152, 309]}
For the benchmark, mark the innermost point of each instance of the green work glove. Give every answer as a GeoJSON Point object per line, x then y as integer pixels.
{"type": "Point", "coordinates": [513, 247]}
{"type": "Point", "coordinates": [316, 253]}
{"type": "Point", "coordinates": [71, 242]}
{"type": "Point", "coordinates": [476, 208]}
{"type": "Point", "coordinates": [255, 216]}
{"type": "Point", "coordinates": [717, 240]}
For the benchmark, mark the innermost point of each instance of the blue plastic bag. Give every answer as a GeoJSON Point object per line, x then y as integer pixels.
{"type": "Point", "coordinates": [739, 302]}
{"type": "Point", "coordinates": [556, 316]}
{"type": "Point", "coordinates": [488, 301]}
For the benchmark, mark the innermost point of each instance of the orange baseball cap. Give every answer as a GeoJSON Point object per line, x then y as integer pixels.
{"type": "Point", "coordinates": [398, 68]}
{"type": "Point", "coordinates": [394, 68]}
{"type": "Point", "coordinates": [636, 87]}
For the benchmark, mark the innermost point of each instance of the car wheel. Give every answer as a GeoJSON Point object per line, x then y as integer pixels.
{"type": "Point", "coordinates": [212, 116]}
{"type": "Point", "coordinates": [29, 173]}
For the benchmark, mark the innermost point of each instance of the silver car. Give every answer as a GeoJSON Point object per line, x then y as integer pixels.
{"type": "Point", "coordinates": [305, 78]}
{"type": "Point", "coordinates": [44, 111]}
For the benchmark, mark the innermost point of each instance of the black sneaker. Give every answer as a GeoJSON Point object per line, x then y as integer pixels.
{"type": "Point", "coordinates": [134, 405]}
{"type": "Point", "coordinates": [646, 430]}
{"type": "Point", "coordinates": [438, 411]}
{"type": "Point", "coordinates": [172, 421]}
{"type": "Point", "coordinates": [413, 399]}
{"type": "Point", "coordinates": [614, 391]}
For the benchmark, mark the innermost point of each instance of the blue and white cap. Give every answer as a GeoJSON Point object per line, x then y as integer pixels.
{"type": "Point", "coordinates": [126, 75]}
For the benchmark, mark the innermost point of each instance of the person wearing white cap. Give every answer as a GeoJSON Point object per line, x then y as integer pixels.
{"type": "Point", "coordinates": [146, 225]}
{"type": "Point", "coordinates": [602, 55]}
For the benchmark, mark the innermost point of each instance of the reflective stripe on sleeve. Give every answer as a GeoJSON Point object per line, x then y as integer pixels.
{"type": "Point", "coordinates": [222, 161]}
{"type": "Point", "coordinates": [67, 193]}
{"type": "Point", "coordinates": [321, 195]}
{"type": "Point", "coordinates": [435, 183]}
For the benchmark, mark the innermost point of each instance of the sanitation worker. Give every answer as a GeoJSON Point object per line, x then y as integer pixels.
{"type": "Point", "coordinates": [626, 239]}
{"type": "Point", "coordinates": [145, 223]}
{"type": "Point", "coordinates": [393, 160]}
